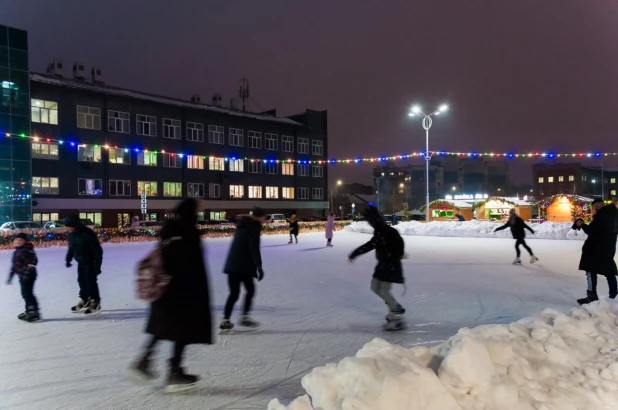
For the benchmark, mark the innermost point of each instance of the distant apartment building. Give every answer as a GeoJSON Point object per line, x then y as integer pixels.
{"type": "Point", "coordinates": [574, 178]}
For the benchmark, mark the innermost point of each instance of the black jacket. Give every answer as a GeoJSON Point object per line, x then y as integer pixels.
{"type": "Point", "coordinates": [84, 246]}
{"type": "Point", "coordinates": [389, 247]}
{"type": "Point", "coordinates": [22, 257]}
{"type": "Point", "coordinates": [244, 257]}
{"type": "Point", "coordinates": [183, 312]}
{"type": "Point", "coordinates": [599, 248]}
{"type": "Point", "coordinates": [518, 227]}
{"type": "Point", "coordinates": [293, 227]}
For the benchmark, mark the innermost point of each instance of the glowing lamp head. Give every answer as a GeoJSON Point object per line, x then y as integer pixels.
{"type": "Point", "coordinates": [416, 109]}
{"type": "Point", "coordinates": [443, 108]}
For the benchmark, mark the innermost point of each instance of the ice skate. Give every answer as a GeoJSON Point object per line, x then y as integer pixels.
{"type": "Point", "coordinates": [141, 372]}
{"type": "Point", "coordinates": [22, 316]}
{"type": "Point", "coordinates": [592, 297]}
{"type": "Point", "coordinates": [246, 321]}
{"type": "Point", "coordinates": [394, 325]}
{"type": "Point", "coordinates": [533, 259]}
{"type": "Point", "coordinates": [225, 325]}
{"type": "Point", "coordinates": [81, 306]}
{"type": "Point", "coordinates": [290, 242]}
{"type": "Point", "coordinates": [395, 315]}
{"type": "Point", "coordinates": [93, 308]}
{"type": "Point", "coordinates": [296, 241]}
{"type": "Point", "coordinates": [517, 261]}
{"type": "Point", "coordinates": [178, 381]}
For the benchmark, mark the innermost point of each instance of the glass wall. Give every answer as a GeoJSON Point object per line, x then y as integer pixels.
{"type": "Point", "coordinates": [15, 162]}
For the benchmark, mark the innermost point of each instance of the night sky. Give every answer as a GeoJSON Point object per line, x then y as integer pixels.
{"type": "Point", "coordinates": [520, 75]}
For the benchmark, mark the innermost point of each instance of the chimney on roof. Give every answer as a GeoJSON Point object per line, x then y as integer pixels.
{"type": "Point", "coordinates": [216, 99]}
{"type": "Point", "coordinates": [195, 98]}
{"type": "Point", "coordinates": [55, 68]}
{"type": "Point", "coordinates": [96, 76]}
{"type": "Point", "coordinates": [79, 72]}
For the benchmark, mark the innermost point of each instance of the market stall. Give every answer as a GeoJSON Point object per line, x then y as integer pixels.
{"type": "Point", "coordinates": [565, 208]}
{"type": "Point", "coordinates": [443, 210]}
{"type": "Point", "coordinates": [497, 208]}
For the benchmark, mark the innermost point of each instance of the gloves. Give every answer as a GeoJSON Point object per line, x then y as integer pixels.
{"type": "Point", "coordinates": [260, 272]}
{"type": "Point", "coordinates": [68, 264]}
{"type": "Point", "coordinates": [96, 271]}
{"type": "Point", "coordinates": [10, 279]}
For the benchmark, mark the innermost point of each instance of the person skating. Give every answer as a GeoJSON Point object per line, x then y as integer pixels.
{"type": "Point", "coordinates": [330, 229]}
{"type": "Point", "coordinates": [24, 266]}
{"type": "Point", "coordinates": [182, 315]}
{"type": "Point", "coordinates": [389, 247]}
{"type": "Point", "coordinates": [599, 250]}
{"type": "Point", "coordinates": [85, 248]}
{"type": "Point", "coordinates": [293, 228]}
{"type": "Point", "coordinates": [518, 227]}
{"type": "Point", "coordinates": [244, 262]}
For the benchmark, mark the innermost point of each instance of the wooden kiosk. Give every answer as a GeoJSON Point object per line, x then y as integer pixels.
{"type": "Point", "coordinates": [497, 208]}
{"type": "Point", "coordinates": [565, 208]}
{"type": "Point", "coordinates": [442, 210]}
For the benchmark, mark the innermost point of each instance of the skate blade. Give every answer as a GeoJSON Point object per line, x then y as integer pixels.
{"type": "Point", "coordinates": [138, 377]}
{"type": "Point", "coordinates": [78, 311]}
{"type": "Point", "coordinates": [180, 388]}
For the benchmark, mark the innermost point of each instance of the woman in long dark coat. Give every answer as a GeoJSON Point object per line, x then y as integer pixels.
{"type": "Point", "coordinates": [182, 314]}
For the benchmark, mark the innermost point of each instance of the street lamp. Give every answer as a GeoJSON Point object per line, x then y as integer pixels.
{"type": "Point", "coordinates": [378, 179]}
{"type": "Point", "coordinates": [331, 195]}
{"type": "Point", "coordinates": [427, 121]}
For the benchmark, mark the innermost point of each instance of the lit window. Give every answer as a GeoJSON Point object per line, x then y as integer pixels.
{"type": "Point", "coordinates": [237, 165]}
{"type": "Point", "coordinates": [214, 191]}
{"type": "Point", "coordinates": [86, 186]}
{"type": "Point", "coordinates": [216, 134]}
{"type": "Point", "coordinates": [147, 158]}
{"type": "Point", "coordinates": [560, 179]}
{"type": "Point", "coordinates": [550, 179]}
{"type": "Point", "coordinates": [287, 193]}
{"type": "Point", "coordinates": [255, 139]}
{"type": "Point", "coordinates": [89, 153]}
{"type": "Point", "coordinates": [195, 190]}
{"type": "Point", "coordinates": [287, 143]}
{"type": "Point", "coordinates": [317, 193]}
{"type": "Point", "coordinates": [88, 117]}
{"type": "Point", "coordinates": [287, 169]}
{"type": "Point", "coordinates": [236, 137]}
{"type": "Point", "coordinates": [317, 147]}
{"type": "Point", "coordinates": [272, 192]}
{"type": "Point", "coordinates": [171, 128]}
{"type": "Point", "coordinates": [303, 193]}
{"type": "Point", "coordinates": [237, 191]}
{"type": "Point", "coordinates": [195, 162]}
{"type": "Point", "coordinates": [45, 186]}
{"type": "Point", "coordinates": [172, 189]}
{"type": "Point", "coordinates": [44, 150]}
{"type": "Point", "coordinates": [172, 161]}
{"type": "Point", "coordinates": [150, 187]}
{"type": "Point", "coordinates": [95, 217]}
{"type": "Point", "coordinates": [217, 215]}
{"type": "Point", "coordinates": [119, 156]}
{"type": "Point", "coordinates": [612, 192]}
{"type": "Point", "coordinates": [119, 188]}
{"type": "Point", "coordinates": [216, 164]}
{"type": "Point", "coordinates": [271, 142]}
{"type": "Point", "coordinates": [195, 132]}
{"type": "Point", "coordinates": [45, 112]}
{"type": "Point", "coordinates": [45, 217]}
{"type": "Point", "coordinates": [612, 180]}
{"type": "Point", "coordinates": [571, 178]}
{"type": "Point", "coordinates": [255, 192]}
{"type": "Point", "coordinates": [318, 171]}
{"type": "Point", "coordinates": [303, 170]}
{"type": "Point", "coordinates": [118, 121]}
{"type": "Point", "coordinates": [303, 146]}
{"type": "Point", "coordinates": [541, 180]}
{"type": "Point", "coordinates": [146, 125]}
{"type": "Point", "coordinates": [255, 167]}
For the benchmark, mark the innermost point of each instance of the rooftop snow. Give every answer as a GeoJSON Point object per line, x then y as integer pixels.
{"type": "Point", "coordinates": [105, 89]}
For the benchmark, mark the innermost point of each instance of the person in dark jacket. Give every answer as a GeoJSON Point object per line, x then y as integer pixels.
{"type": "Point", "coordinates": [599, 250]}
{"type": "Point", "coordinates": [244, 262]}
{"type": "Point", "coordinates": [85, 248]}
{"type": "Point", "coordinates": [293, 228]}
{"type": "Point", "coordinates": [578, 224]}
{"type": "Point", "coordinates": [389, 247]}
{"type": "Point", "coordinates": [182, 315]}
{"type": "Point", "coordinates": [518, 227]}
{"type": "Point", "coordinates": [24, 266]}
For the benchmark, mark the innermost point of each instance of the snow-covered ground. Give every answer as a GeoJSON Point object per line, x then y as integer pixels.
{"type": "Point", "coordinates": [314, 307]}
{"type": "Point", "coordinates": [476, 229]}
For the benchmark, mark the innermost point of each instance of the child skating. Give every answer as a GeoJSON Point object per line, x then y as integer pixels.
{"type": "Point", "coordinates": [518, 227]}
{"type": "Point", "coordinates": [24, 266]}
{"type": "Point", "coordinates": [293, 228]}
{"type": "Point", "coordinates": [389, 247]}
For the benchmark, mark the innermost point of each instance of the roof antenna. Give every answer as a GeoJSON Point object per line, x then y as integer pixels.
{"type": "Point", "coordinates": [243, 92]}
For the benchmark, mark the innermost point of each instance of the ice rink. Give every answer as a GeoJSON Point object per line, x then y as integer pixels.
{"type": "Point", "coordinates": [313, 306]}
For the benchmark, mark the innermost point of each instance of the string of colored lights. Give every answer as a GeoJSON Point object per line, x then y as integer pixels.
{"type": "Point", "coordinates": [420, 154]}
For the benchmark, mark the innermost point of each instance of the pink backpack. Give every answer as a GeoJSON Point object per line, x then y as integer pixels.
{"type": "Point", "coordinates": [152, 281]}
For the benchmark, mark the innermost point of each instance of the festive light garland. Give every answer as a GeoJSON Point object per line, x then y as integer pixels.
{"type": "Point", "coordinates": [420, 154]}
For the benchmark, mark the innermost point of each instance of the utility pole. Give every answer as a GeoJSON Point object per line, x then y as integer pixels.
{"type": "Point", "coordinates": [243, 92]}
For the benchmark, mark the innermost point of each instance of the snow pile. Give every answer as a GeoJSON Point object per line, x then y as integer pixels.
{"type": "Point", "coordinates": [550, 361]}
{"type": "Point", "coordinates": [475, 229]}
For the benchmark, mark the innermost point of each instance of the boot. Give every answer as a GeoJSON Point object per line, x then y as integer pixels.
{"type": "Point", "coordinates": [246, 321]}
{"type": "Point", "coordinates": [81, 305]}
{"type": "Point", "coordinates": [226, 324]}
{"type": "Point", "coordinates": [142, 372]}
{"type": "Point", "coordinates": [179, 381]}
{"type": "Point", "coordinates": [94, 307]}
{"type": "Point", "coordinates": [592, 297]}
{"type": "Point", "coordinates": [22, 316]}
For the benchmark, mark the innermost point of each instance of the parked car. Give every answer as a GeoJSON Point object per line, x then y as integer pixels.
{"type": "Point", "coordinates": [59, 224]}
{"type": "Point", "coordinates": [20, 225]}
{"type": "Point", "coordinates": [275, 218]}
{"type": "Point", "coordinates": [215, 222]}
{"type": "Point", "coordinates": [311, 219]}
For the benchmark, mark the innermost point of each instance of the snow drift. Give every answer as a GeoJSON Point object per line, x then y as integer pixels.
{"type": "Point", "coordinates": [475, 229]}
{"type": "Point", "coordinates": [550, 361]}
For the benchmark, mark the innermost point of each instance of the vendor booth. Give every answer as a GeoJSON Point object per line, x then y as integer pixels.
{"type": "Point", "coordinates": [498, 208]}
{"type": "Point", "coordinates": [442, 210]}
{"type": "Point", "coordinates": [565, 208]}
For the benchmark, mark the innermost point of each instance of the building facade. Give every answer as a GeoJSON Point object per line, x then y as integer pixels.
{"type": "Point", "coordinates": [96, 150]}
{"type": "Point", "coordinates": [574, 178]}
{"type": "Point", "coordinates": [15, 164]}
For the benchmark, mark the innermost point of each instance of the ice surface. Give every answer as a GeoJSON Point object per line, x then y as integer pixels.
{"type": "Point", "coordinates": [315, 310]}
{"type": "Point", "coordinates": [476, 229]}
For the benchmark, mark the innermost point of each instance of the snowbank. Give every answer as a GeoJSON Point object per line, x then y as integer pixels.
{"type": "Point", "coordinates": [550, 361]}
{"type": "Point", "coordinates": [475, 229]}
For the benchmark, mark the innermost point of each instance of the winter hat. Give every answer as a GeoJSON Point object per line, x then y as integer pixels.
{"type": "Point", "coordinates": [596, 201]}
{"type": "Point", "coordinates": [72, 221]}
{"type": "Point", "coordinates": [22, 235]}
{"type": "Point", "coordinates": [258, 212]}
{"type": "Point", "coordinates": [372, 215]}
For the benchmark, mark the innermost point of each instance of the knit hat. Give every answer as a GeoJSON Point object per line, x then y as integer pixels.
{"type": "Point", "coordinates": [72, 221]}
{"type": "Point", "coordinates": [258, 212]}
{"type": "Point", "coordinates": [22, 235]}
{"type": "Point", "coordinates": [372, 215]}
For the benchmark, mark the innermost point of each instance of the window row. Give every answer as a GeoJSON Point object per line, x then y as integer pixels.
{"type": "Point", "coordinates": [94, 187]}
{"type": "Point", "coordinates": [91, 153]}
{"type": "Point", "coordinates": [117, 121]}
{"type": "Point", "coordinates": [560, 179]}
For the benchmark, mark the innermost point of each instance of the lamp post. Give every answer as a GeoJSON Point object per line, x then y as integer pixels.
{"type": "Point", "coordinates": [427, 121]}
{"type": "Point", "coordinates": [378, 179]}
{"type": "Point", "coordinates": [332, 206]}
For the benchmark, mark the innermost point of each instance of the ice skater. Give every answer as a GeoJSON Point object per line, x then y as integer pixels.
{"type": "Point", "coordinates": [330, 229]}
{"type": "Point", "coordinates": [293, 228]}
{"type": "Point", "coordinates": [599, 250]}
{"type": "Point", "coordinates": [182, 315]}
{"type": "Point", "coordinates": [244, 262]}
{"type": "Point", "coordinates": [24, 266]}
{"type": "Point", "coordinates": [389, 247]}
{"type": "Point", "coordinates": [518, 227]}
{"type": "Point", "coordinates": [84, 246]}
